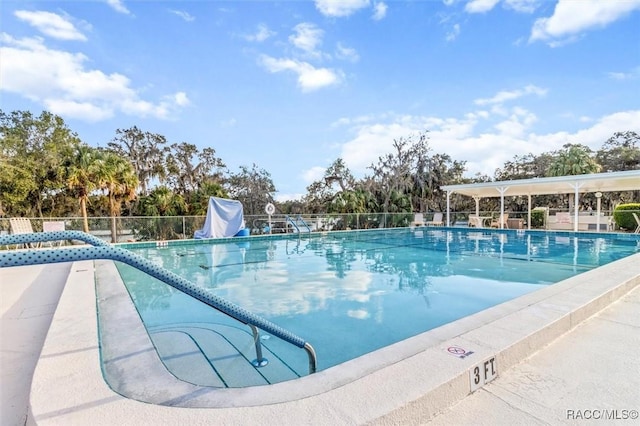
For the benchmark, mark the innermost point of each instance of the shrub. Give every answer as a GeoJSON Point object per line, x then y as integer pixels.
{"type": "Point", "coordinates": [537, 218]}
{"type": "Point", "coordinates": [623, 217]}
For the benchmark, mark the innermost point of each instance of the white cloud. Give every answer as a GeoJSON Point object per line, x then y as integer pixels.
{"type": "Point", "coordinates": [379, 11]}
{"type": "Point", "coordinates": [523, 6]}
{"type": "Point", "coordinates": [483, 6]}
{"type": "Point", "coordinates": [60, 81]}
{"type": "Point", "coordinates": [184, 15]}
{"type": "Point", "coordinates": [229, 123]}
{"type": "Point", "coordinates": [51, 24]}
{"type": "Point", "coordinates": [262, 33]}
{"type": "Point", "coordinates": [281, 198]}
{"type": "Point", "coordinates": [631, 75]}
{"type": "Point", "coordinates": [180, 99]}
{"type": "Point", "coordinates": [504, 96]}
{"type": "Point", "coordinates": [118, 6]}
{"type": "Point", "coordinates": [347, 53]}
{"type": "Point", "coordinates": [465, 140]}
{"type": "Point", "coordinates": [603, 128]}
{"type": "Point", "coordinates": [309, 77]}
{"type": "Point", "coordinates": [307, 37]}
{"type": "Point", "coordinates": [516, 124]}
{"type": "Point", "coordinates": [313, 174]}
{"type": "Point", "coordinates": [340, 8]}
{"type": "Point", "coordinates": [85, 110]}
{"type": "Point", "coordinates": [454, 33]}
{"type": "Point", "coordinates": [480, 6]}
{"type": "Point", "coordinates": [571, 18]}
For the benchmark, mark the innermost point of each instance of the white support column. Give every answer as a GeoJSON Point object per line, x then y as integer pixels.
{"type": "Point", "coordinates": [448, 208]}
{"type": "Point", "coordinates": [576, 186]}
{"type": "Point", "coordinates": [529, 213]}
{"type": "Point", "coordinates": [598, 205]}
{"type": "Point", "coordinates": [502, 190]}
{"type": "Point", "coordinates": [475, 197]}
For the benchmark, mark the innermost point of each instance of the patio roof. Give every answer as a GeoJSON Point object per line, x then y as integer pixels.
{"type": "Point", "coordinates": [595, 182]}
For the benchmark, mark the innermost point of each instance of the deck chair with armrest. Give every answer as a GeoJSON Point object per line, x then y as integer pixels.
{"type": "Point", "coordinates": [418, 220]}
{"type": "Point", "coordinates": [22, 225]}
{"type": "Point", "coordinates": [436, 221]}
{"type": "Point", "coordinates": [52, 227]}
{"type": "Point", "coordinates": [475, 221]}
{"type": "Point", "coordinates": [501, 221]}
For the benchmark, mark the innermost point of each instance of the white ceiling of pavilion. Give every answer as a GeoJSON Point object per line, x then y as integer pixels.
{"type": "Point", "coordinates": [595, 182]}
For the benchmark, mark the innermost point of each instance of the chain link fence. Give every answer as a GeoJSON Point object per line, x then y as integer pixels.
{"type": "Point", "coordinates": [162, 228]}
{"type": "Point", "coordinates": [158, 228]}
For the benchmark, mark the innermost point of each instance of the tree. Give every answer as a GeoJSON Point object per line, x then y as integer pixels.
{"type": "Point", "coordinates": [443, 170]}
{"type": "Point", "coordinates": [200, 199]}
{"type": "Point", "coordinates": [145, 151]}
{"type": "Point", "coordinates": [525, 167]}
{"type": "Point", "coordinates": [82, 178]}
{"type": "Point", "coordinates": [393, 172]}
{"type": "Point", "coordinates": [321, 194]}
{"type": "Point", "coordinates": [253, 188]}
{"type": "Point", "coordinates": [620, 152]}
{"type": "Point", "coordinates": [34, 155]}
{"type": "Point", "coordinates": [573, 159]}
{"type": "Point", "coordinates": [117, 177]}
{"type": "Point", "coordinates": [162, 201]}
{"type": "Point", "coordinates": [16, 183]}
{"type": "Point", "coordinates": [188, 168]}
{"type": "Point", "coordinates": [339, 173]}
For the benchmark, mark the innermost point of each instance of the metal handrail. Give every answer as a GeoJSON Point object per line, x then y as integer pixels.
{"type": "Point", "coordinates": [102, 250]}
{"type": "Point", "coordinates": [293, 223]}
{"type": "Point", "coordinates": [303, 222]}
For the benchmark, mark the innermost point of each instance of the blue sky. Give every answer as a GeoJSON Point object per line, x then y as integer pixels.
{"type": "Point", "coordinates": [294, 85]}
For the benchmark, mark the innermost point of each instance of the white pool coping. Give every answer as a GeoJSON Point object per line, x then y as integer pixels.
{"type": "Point", "coordinates": [68, 386]}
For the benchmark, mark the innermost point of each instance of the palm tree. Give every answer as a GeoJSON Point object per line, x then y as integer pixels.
{"type": "Point", "coordinates": [116, 176]}
{"type": "Point", "coordinates": [200, 199]}
{"type": "Point", "coordinates": [163, 202]}
{"type": "Point", "coordinates": [82, 179]}
{"type": "Point", "coordinates": [575, 159]}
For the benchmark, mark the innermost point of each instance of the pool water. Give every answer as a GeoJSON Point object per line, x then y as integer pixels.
{"type": "Point", "coordinates": [350, 293]}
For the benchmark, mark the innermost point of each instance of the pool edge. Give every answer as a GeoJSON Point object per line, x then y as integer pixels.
{"type": "Point", "coordinates": [68, 386]}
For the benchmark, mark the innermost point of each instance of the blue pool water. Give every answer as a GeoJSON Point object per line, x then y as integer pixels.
{"type": "Point", "coordinates": [350, 293]}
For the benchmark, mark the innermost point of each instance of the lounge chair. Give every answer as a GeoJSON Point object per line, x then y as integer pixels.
{"type": "Point", "coordinates": [635, 216]}
{"type": "Point", "coordinates": [418, 220]}
{"type": "Point", "coordinates": [22, 225]}
{"type": "Point", "coordinates": [436, 221]}
{"type": "Point", "coordinates": [52, 227]}
{"type": "Point", "coordinates": [501, 221]}
{"type": "Point", "coordinates": [475, 221]}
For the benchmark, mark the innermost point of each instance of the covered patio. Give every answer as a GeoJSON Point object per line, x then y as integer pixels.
{"type": "Point", "coordinates": [596, 183]}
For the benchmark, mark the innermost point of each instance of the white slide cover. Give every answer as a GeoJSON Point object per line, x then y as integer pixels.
{"type": "Point", "coordinates": [225, 218]}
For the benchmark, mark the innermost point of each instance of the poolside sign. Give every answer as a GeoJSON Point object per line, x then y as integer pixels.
{"type": "Point", "coordinates": [483, 373]}
{"type": "Point", "coordinates": [459, 352]}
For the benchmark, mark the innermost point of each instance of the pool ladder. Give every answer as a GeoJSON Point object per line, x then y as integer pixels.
{"type": "Point", "coordinates": [102, 250]}
{"type": "Point", "coordinates": [298, 221]}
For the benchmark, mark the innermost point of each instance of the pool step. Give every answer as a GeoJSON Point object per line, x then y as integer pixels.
{"type": "Point", "coordinates": [216, 355]}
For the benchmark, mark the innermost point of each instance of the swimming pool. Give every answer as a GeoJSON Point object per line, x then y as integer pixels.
{"type": "Point", "coordinates": [348, 293]}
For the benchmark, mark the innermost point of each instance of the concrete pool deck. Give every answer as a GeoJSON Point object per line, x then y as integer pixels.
{"type": "Point", "coordinates": [571, 346]}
